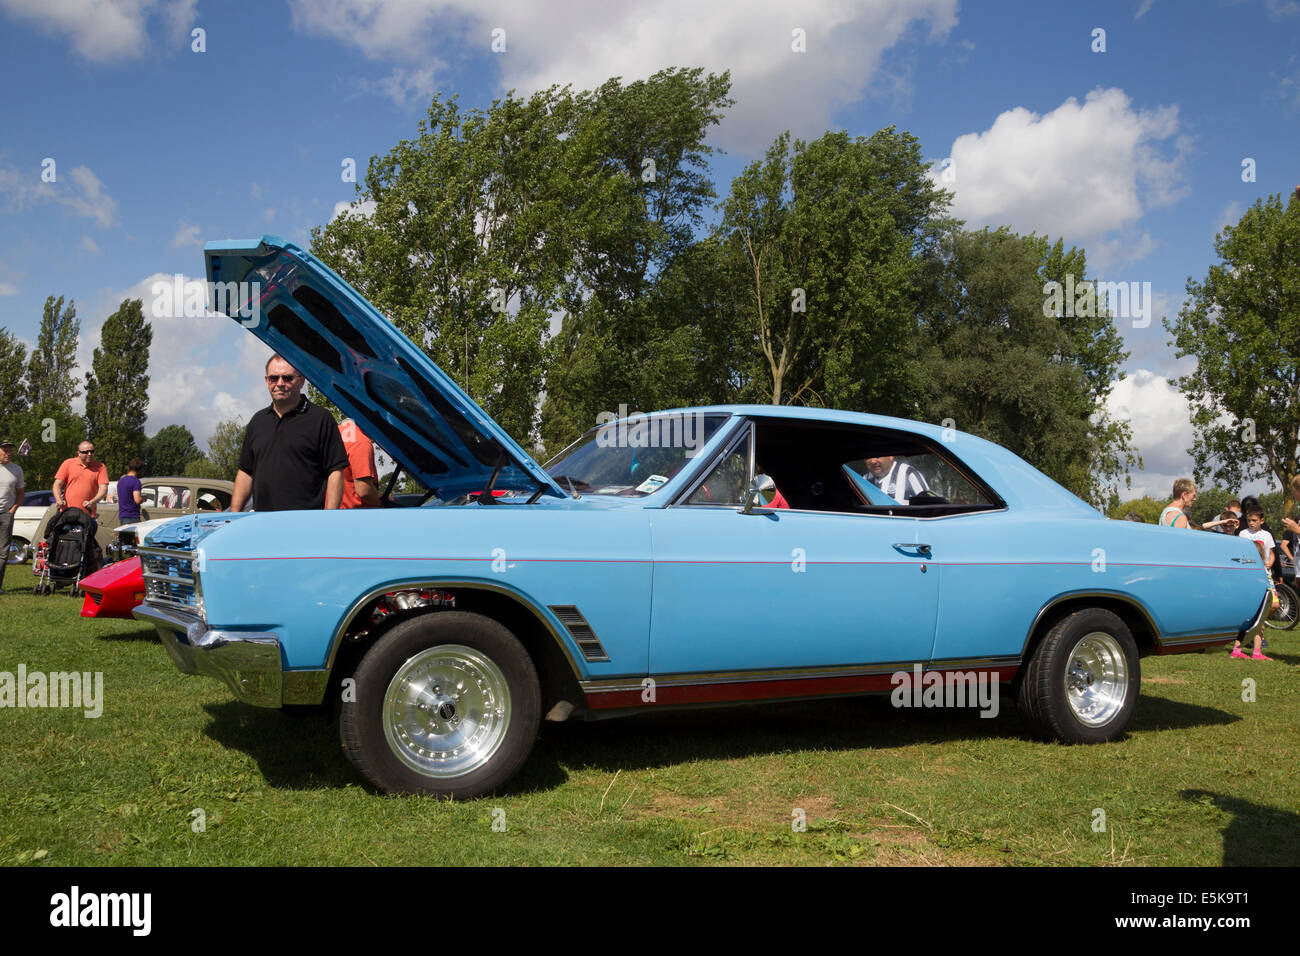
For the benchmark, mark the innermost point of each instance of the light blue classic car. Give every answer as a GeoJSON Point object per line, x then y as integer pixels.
{"type": "Point", "coordinates": [692, 557]}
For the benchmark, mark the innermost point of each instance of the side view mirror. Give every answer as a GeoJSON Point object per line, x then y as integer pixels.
{"type": "Point", "coordinates": [755, 497]}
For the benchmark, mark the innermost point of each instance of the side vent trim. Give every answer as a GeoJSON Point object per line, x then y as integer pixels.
{"type": "Point", "coordinates": [581, 632]}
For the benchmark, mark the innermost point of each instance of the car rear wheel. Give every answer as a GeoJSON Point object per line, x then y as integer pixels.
{"type": "Point", "coordinates": [1287, 613]}
{"type": "Point", "coordinates": [446, 703]}
{"type": "Point", "coordinates": [1081, 683]}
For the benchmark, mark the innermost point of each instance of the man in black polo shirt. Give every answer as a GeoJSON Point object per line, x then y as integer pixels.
{"type": "Point", "coordinates": [293, 457]}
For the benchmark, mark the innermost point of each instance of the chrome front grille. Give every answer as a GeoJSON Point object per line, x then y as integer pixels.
{"type": "Point", "coordinates": [171, 578]}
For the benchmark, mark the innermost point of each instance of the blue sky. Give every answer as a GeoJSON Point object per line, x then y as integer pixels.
{"type": "Point", "coordinates": [1134, 153]}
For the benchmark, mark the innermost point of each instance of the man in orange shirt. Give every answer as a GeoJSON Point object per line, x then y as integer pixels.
{"type": "Point", "coordinates": [81, 482]}
{"type": "Point", "coordinates": [360, 484]}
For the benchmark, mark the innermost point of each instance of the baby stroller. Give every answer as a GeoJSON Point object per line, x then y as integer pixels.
{"type": "Point", "coordinates": [67, 554]}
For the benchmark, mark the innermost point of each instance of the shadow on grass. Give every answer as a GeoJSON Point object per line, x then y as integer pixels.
{"type": "Point", "coordinates": [1256, 835]}
{"type": "Point", "coordinates": [148, 634]}
{"type": "Point", "coordinates": [295, 750]}
{"type": "Point", "coordinates": [1159, 713]}
{"type": "Point", "coordinates": [302, 750]}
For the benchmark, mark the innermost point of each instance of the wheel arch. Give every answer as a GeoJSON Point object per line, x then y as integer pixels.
{"type": "Point", "coordinates": [557, 668]}
{"type": "Point", "coordinates": [1136, 617]}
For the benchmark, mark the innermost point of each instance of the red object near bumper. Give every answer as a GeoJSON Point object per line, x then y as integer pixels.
{"type": "Point", "coordinates": [113, 591]}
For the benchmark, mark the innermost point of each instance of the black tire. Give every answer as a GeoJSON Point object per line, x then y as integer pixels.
{"type": "Point", "coordinates": [1081, 682]}
{"type": "Point", "coordinates": [450, 681]}
{"type": "Point", "coordinates": [1287, 613]}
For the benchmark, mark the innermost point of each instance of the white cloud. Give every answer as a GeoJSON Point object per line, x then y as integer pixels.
{"type": "Point", "coordinates": [186, 235]}
{"type": "Point", "coordinates": [585, 42]}
{"type": "Point", "coordinates": [1162, 429]}
{"type": "Point", "coordinates": [203, 370]}
{"type": "Point", "coordinates": [364, 208]}
{"type": "Point", "coordinates": [103, 31]}
{"type": "Point", "coordinates": [1230, 216]}
{"type": "Point", "coordinates": [403, 86]}
{"type": "Point", "coordinates": [88, 245]}
{"type": "Point", "coordinates": [8, 288]}
{"type": "Point", "coordinates": [1083, 171]}
{"type": "Point", "coordinates": [79, 190]}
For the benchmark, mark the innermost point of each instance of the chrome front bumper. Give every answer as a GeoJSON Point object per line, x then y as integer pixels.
{"type": "Point", "coordinates": [247, 661]}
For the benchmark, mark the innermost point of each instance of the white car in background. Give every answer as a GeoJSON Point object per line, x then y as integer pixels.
{"type": "Point", "coordinates": [127, 537]}
{"type": "Point", "coordinates": [27, 519]}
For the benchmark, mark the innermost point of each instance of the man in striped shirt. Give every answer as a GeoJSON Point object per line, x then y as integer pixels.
{"type": "Point", "coordinates": [897, 479]}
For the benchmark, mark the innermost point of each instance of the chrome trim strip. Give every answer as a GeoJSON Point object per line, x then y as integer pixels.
{"type": "Point", "coordinates": [337, 640]}
{"type": "Point", "coordinates": [609, 685]}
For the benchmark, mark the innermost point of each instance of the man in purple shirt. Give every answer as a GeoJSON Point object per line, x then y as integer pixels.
{"type": "Point", "coordinates": [128, 493]}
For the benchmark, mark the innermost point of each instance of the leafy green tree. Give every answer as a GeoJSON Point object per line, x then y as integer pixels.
{"type": "Point", "coordinates": [170, 451]}
{"type": "Point", "coordinates": [1242, 324]}
{"type": "Point", "coordinates": [470, 243]}
{"type": "Point", "coordinates": [997, 364]}
{"type": "Point", "coordinates": [202, 467]}
{"type": "Point", "coordinates": [835, 239]}
{"type": "Point", "coordinates": [50, 382]}
{"type": "Point", "coordinates": [13, 363]}
{"type": "Point", "coordinates": [1148, 508]}
{"type": "Point", "coordinates": [117, 387]}
{"type": "Point", "coordinates": [54, 433]}
{"type": "Point", "coordinates": [223, 448]}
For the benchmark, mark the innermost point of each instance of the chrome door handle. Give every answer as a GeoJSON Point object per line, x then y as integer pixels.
{"type": "Point", "coordinates": [921, 549]}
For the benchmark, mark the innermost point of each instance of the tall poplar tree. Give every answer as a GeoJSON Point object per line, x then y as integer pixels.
{"type": "Point", "coordinates": [50, 382]}
{"type": "Point", "coordinates": [117, 389]}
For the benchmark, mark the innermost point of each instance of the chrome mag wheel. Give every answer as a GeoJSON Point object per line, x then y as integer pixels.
{"type": "Point", "coordinates": [1096, 679]}
{"type": "Point", "coordinates": [446, 711]}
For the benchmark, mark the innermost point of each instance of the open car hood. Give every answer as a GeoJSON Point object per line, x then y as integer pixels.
{"type": "Point", "coordinates": [360, 361]}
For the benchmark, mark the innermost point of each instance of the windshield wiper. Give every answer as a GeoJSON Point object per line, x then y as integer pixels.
{"type": "Point", "coordinates": [573, 483]}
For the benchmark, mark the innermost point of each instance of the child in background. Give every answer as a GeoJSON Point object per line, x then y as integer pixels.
{"type": "Point", "coordinates": [1264, 542]}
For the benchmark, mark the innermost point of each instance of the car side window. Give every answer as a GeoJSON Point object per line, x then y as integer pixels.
{"type": "Point", "coordinates": [726, 483]}
{"type": "Point", "coordinates": [913, 480]}
{"type": "Point", "coordinates": [166, 496]}
{"type": "Point", "coordinates": [149, 496]}
{"type": "Point", "coordinates": [844, 468]}
{"type": "Point", "coordinates": [212, 499]}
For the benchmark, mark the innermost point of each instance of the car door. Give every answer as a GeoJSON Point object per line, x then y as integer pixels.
{"type": "Point", "coordinates": [783, 588]}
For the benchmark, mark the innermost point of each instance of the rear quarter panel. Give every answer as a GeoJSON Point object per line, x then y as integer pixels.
{"type": "Point", "coordinates": [998, 570]}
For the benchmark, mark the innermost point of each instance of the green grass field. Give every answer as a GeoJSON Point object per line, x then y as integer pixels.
{"type": "Point", "coordinates": [176, 772]}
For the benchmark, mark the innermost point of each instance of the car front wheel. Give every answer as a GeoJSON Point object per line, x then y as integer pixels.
{"type": "Point", "coordinates": [19, 551]}
{"type": "Point", "coordinates": [1081, 683]}
{"type": "Point", "coordinates": [445, 703]}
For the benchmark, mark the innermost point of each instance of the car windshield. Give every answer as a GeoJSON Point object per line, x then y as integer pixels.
{"type": "Point", "coordinates": [633, 456]}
